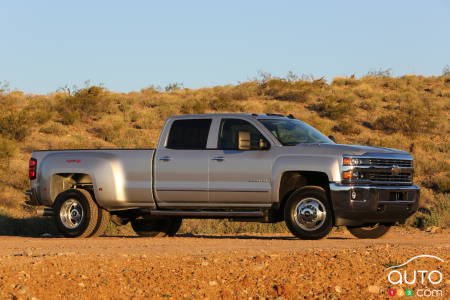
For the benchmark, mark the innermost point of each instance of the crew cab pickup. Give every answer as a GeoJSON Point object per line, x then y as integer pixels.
{"type": "Point", "coordinates": [244, 167]}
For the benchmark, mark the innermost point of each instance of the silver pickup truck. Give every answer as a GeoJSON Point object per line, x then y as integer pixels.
{"type": "Point", "coordinates": [244, 167]}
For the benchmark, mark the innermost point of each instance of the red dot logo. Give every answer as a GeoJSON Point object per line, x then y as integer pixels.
{"type": "Point", "coordinates": [392, 292]}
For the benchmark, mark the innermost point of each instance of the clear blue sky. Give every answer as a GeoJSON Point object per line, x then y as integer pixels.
{"type": "Point", "coordinates": [129, 45]}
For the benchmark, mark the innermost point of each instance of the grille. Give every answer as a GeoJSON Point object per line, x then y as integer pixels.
{"type": "Point", "coordinates": [389, 177]}
{"type": "Point", "coordinates": [381, 162]}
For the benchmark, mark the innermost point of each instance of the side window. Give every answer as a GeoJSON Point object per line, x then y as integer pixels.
{"type": "Point", "coordinates": [189, 134]}
{"type": "Point", "coordinates": [237, 134]}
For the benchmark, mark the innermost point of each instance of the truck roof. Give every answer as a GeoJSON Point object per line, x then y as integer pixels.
{"type": "Point", "coordinates": [248, 115]}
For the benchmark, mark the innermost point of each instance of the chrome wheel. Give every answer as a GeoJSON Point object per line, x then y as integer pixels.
{"type": "Point", "coordinates": [71, 213]}
{"type": "Point", "coordinates": [310, 214]}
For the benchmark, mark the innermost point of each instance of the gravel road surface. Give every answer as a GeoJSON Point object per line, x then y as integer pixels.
{"type": "Point", "coordinates": [245, 266]}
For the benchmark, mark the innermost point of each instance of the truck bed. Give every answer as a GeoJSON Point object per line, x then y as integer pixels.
{"type": "Point", "coordinates": [120, 178]}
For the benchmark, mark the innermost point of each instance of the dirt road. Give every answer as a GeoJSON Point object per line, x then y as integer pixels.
{"type": "Point", "coordinates": [231, 267]}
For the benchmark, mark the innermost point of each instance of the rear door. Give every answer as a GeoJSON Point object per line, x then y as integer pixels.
{"type": "Point", "coordinates": [181, 164]}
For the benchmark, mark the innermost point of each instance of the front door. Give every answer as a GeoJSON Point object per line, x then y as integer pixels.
{"type": "Point", "coordinates": [240, 175]}
{"type": "Point", "coordinates": [181, 166]}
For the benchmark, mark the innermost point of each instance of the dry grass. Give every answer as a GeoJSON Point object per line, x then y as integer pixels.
{"type": "Point", "coordinates": [409, 112]}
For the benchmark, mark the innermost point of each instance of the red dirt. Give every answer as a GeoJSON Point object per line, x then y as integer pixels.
{"type": "Point", "coordinates": [215, 266]}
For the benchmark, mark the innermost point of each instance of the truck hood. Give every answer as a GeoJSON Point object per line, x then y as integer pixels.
{"type": "Point", "coordinates": [346, 149]}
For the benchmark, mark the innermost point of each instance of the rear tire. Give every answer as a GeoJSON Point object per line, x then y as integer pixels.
{"type": "Point", "coordinates": [308, 214]}
{"type": "Point", "coordinates": [156, 226]}
{"type": "Point", "coordinates": [369, 232]}
{"type": "Point", "coordinates": [102, 224]}
{"type": "Point", "coordinates": [75, 213]}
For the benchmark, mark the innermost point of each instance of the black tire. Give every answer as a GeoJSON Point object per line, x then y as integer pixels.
{"type": "Point", "coordinates": [176, 225]}
{"type": "Point", "coordinates": [316, 220]}
{"type": "Point", "coordinates": [369, 232]}
{"type": "Point", "coordinates": [102, 224]}
{"type": "Point", "coordinates": [75, 213]}
{"type": "Point", "coordinates": [154, 226]}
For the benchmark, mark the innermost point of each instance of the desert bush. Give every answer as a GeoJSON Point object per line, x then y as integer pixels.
{"type": "Point", "coordinates": [347, 126]}
{"type": "Point", "coordinates": [368, 105]}
{"type": "Point", "coordinates": [54, 128]}
{"type": "Point", "coordinates": [172, 87]}
{"type": "Point", "coordinates": [7, 148]}
{"type": "Point", "coordinates": [442, 183]}
{"type": "Point", "coordinates": [334, 107]}
{"type": "Point", "coordinates": [16, 124]}
{"type": "Point", "coordinates": [285, 90]}
{"type": "Point", "coordinates": [197, 106]}
{"type": "Point", "coordinates": [389, 123]}
{"type": "Point", "coordinates": [109, 132]}
{"type": "Point", "coordinates": [167, 109]}
{"type": "Point", "coordinates": [440, 213]}
{"type": "Point", "coordinates": [86, 103]}
{"type": "Point", "coordinates": [346, 81]}
{"type": "Point", "coordinates": [223, 101]}
{"type": "Point", "coordinates": [245, 90]}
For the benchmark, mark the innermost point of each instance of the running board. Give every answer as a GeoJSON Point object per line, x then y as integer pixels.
{"type": "Point", "coordinates": [206, 213]}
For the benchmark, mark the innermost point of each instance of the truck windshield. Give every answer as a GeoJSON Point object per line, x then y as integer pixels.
{"type": "Point", "coordinates": [291, 132]}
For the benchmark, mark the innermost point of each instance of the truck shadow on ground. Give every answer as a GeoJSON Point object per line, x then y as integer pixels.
{"type": "Point", "coordinates": [249, 237]}
{"type": "Point", "coordinates": [38, 227]}
{"type": "Point", "coordinates": [234, 236]}
{"type": "Point", "coordinates": [26, 227]}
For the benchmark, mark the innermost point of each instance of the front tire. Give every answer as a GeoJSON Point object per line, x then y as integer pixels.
{"type": "Point", "coordinates": [369, 232]}
{"type": "Point", "coordinates": [308, 214]}
{"type": "Point", "coordinates": [75, 213]}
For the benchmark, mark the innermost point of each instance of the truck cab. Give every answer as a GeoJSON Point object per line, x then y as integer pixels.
{"type": "Point", "coordinates": [255, 167]}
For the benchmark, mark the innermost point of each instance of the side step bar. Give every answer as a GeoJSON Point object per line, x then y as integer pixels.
{"type": "Point", "coordinates": [205, 213]}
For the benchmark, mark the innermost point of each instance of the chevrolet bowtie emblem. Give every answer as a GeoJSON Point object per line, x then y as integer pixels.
{"type": "Point", "coordinates": [395, 170]}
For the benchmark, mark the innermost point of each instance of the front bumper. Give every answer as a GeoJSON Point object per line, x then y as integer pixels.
{"type": "Point", "coordinates": [355, 205]}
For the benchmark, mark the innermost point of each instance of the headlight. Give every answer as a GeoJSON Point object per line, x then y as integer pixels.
{"type": "Point", "coordinates": [351, 161]}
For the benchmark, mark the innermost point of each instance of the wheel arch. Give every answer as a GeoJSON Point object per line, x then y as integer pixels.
{"type": "Point", "coordinates": [60, 182]}
{"type": "Point", "coordinates": [292, 181]}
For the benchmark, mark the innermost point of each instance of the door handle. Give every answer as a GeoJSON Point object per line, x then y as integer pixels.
{"type": "Point", "coordinates": [218, 158]}
{"type": "Point", "coordinates": [165, 158]}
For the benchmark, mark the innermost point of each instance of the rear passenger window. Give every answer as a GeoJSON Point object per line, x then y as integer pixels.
{"type": "Point", "coordinates": [189, 134]}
